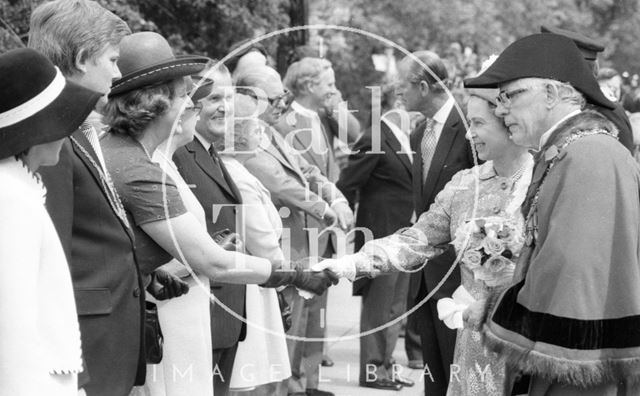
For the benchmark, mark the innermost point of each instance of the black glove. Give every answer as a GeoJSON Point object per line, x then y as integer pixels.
{"type": "Point", "coordinates": [164, 286]}
{"type": "Point", "coordinates": [302, 278]}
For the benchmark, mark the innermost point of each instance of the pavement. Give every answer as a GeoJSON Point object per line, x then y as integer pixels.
{"type": "Point", "coordinates": [343, 319]}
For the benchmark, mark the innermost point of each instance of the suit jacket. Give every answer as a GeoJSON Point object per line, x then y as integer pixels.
{"type": "Point", "coordinates": [198, 170]}
{"type": "Point", "coordinates": [297, 130]}
{"type": "Point", "coordinates": [383, 182]}
{"type": "Point", "coordinates": [452, 154]}
{"type": "Point", "coordinates": [106, 280]}
{"type": "Point", "coordinates": [296, 185]}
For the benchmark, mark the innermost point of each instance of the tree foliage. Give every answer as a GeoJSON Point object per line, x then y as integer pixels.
{"type": "Point", "coordinates": [211, 27]}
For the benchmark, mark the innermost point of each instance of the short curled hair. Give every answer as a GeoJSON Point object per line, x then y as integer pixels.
{"type": "Point", "coordinates": [303, 72]}
{"type": "Point", "coordinates": [435, 73]}
{"type": "Point", "coordinates": [241, 130]}
{"type": "Point", "coordinates": [63, 29]}
{"type": "Point", "coordinates": [565, 91]}
{"type": "Point", "coordinates": [131, 112]}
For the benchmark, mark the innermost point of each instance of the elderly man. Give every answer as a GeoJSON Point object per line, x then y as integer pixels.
{"type": "Point", "coordinates": [571, 319]}
{"type": "Point", "coordinates": [589, 49]}
{"type": "Point", "coordinates": [295, 185]}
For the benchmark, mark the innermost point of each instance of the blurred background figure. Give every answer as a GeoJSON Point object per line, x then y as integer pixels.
{"type": "Point", "coordinates": [610, 82]}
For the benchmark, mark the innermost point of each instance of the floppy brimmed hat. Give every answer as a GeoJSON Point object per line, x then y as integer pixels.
{"type": "Point", "coordinates": [146, 59]}
{"type": "Point", "coordinates": [38, 104]}
{"type": "Point", "coordinates": [543, 55]}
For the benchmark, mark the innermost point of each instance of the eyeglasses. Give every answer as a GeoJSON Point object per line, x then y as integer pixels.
{"type": "Point", "coordinates": [284, 98]}
{"type": "Point", "coordinates": [505, 97]}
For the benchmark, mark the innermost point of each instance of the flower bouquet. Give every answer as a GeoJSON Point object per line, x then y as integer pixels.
{"type": "Point", "coordinates": [490, 245]}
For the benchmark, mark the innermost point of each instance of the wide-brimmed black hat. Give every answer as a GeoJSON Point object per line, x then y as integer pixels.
{"type": "Point", "coordinates": [38, 105]}
{"type": "Point", "coordinates": [146, 58]}
{"type": "Point", "coordinates": [543, 55]}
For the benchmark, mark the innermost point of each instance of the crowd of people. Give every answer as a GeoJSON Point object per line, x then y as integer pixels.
{"type": "Point", "coordinates": [174, 222]}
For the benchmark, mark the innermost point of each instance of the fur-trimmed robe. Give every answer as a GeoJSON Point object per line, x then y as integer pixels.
{"type": "Point", "coordinates": [573, 315]}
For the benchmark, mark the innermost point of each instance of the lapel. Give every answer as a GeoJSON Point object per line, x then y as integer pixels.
{"type": "Point", "coordinates": [303, 133]}
{"type": "Point", "coordinates": [82, 140]}
{"type": "Point", "coordinates": [279, 151]}
{"type": "Point", "coordinates": [205, 162]}
{"type": "Point", "coordinates": [450, 131]}
{"type": "Point", "coordinates": [396, 147]}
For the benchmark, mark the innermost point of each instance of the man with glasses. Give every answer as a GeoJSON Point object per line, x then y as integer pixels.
{"type": "Point", "coordinates": [589, 48]}
{"type": "Point", "coordinates": [295, 185]}
{"type": "Point", "coordinates": [571, 317]}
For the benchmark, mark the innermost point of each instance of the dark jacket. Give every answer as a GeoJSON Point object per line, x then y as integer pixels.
{"type": "Point", "coordinates": [383, 183]}
{"type": "Point", "coordinates": [218, 196]}
{"type": "Point", "coordinates": [106, 281]}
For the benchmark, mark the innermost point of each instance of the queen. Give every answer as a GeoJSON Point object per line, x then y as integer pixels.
{"type": "Point", "coordinates": [478, 212]}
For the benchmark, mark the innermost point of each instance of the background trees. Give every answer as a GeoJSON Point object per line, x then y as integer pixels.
{"type": "Point", "coordinates": [463, 31]}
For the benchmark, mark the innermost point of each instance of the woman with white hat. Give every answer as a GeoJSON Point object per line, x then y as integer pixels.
{"type": "Point", "coordinates": [39, 335]}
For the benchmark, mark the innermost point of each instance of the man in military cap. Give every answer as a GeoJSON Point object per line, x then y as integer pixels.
{"type": "Point", "coordinates": [571, 318]}
{"type": "Point", "coordinates": [590, 49]}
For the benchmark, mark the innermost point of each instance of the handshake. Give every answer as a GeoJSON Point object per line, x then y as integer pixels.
{"type": "Point", "coordinates": [316, 278]}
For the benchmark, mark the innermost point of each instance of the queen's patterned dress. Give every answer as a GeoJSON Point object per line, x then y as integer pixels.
{"type": "Point", "coordinates": [472, 193]}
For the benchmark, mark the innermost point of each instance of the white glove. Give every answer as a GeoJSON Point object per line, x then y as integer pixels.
{"type": "Point", "coordinates": [344, 267]}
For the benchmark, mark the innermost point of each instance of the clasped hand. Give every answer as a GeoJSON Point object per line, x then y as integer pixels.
{"type": "Point", "coordinates": [342, 268]}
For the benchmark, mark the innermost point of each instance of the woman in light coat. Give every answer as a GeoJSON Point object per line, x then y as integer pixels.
{"type": "Point", "coordinates": [39, 334]}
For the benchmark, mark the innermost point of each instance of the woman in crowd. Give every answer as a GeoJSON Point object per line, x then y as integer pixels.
{"type": "Point", "coordinates": [262, 360]}
{"type": "Point", "coordinates": [502, 185]}
{"type": "Point", "coordinates": [185, 320]}
{"type": "Point", "coordinates": [144, 108]}
{"type": "Point", "coordinates": [39, 332]}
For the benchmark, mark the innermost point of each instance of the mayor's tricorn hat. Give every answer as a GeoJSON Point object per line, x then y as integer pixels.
{"type": "Point", "coordinates": [543, 55]}
{"type": "Point", "coordinates": [587, 46]}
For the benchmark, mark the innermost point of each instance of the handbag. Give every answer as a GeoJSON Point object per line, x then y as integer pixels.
{"type": "Point", "coordinates": [153, 338]}
{"type": "Point", "coordinates": [285, 311]}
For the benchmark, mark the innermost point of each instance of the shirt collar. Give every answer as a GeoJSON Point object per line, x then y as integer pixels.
{"type": "Point", "coordinates": [442, 114]}
{"type": "Point", "coordinates": [203, 141]}
{"type": "Point", "coordinates": [300, 109]}
{"type": "Point", "coordinates": [545, 136]}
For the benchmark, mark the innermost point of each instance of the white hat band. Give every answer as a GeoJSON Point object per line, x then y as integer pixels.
{"type": "Point", "coordinates": [35, 104]}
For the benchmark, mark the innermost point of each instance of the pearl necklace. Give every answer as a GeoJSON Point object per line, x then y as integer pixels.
{"type": "Point", "coordinates": [517, 174]}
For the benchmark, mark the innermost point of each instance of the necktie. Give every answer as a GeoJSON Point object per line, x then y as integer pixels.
{"type": "Point", "coordinates": [214, 156]}
{"type": "Point", "coordinates": [92, 136]}
{"type": "Point", "coordinates": [216, 161]}
{"type": "Point", "coordinates": [428, 147]}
